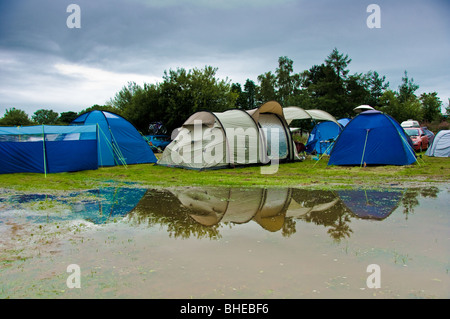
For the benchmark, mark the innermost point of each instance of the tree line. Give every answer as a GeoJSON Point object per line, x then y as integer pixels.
{"type": "Point", "coordinates": [328, 86]}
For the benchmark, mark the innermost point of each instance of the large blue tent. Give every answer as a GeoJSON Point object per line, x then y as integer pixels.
{"type": "Point", "coordinates": [372, 138]}
{"type": "Point", "coordinates": [47, 149]}
{"type": "Point", "coordinates": [119, 143]}
{"type": "Point", "coordinates": [322, 137]}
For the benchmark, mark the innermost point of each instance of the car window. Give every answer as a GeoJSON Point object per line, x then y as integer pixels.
{"type": "Point", "coordinates": [412, 132]}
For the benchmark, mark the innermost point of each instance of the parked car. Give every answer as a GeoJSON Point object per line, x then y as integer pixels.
{"type": "Point", "coordinates": [429, 134]}
{"type": "Point", "coordinates": [418, 138]}
{"type": "Point", "coordinates": [410, 123]}
{"type": "Point", "coordinates": [157, 142]}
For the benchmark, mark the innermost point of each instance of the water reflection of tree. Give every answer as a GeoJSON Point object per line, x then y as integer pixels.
{"type": "Point", "coordinates": [162, 208]}
{"type": "Point", "coordinates": [288, 227]}
{"type": "Point", "coordinates": [336, 218]}
{"type": "Point", "coordinates": [410, 198]}
{"type": "Point", "coordinates": [340, 229]}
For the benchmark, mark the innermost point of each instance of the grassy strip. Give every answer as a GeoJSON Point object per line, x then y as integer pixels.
{"type": "Point", "coordinates": [300, 174]}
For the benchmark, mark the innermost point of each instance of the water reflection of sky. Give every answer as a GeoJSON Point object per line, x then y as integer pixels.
{"type": "Point", "coordinates": [202, 211]}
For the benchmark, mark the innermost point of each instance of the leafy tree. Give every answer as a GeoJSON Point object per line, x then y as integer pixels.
{"type": "Point", "coordinates": [407, 88]}
{"type": "Point", "coordinates": [140, 105]}
{"type": "Point", "coordinates": [250, 94]}
{"type": "Point", "coordinates": [357, 91]}
{"type": "Point", "coordinates": [97, 107]}
{"type": "Point", "coordinates": [327, 90]}
{"type": "Point", "coordinates": [285, 81]}
{"type": "Point", "coordinates": [281, 85]}
{"type": "Point", "coordinates": [210, 93]}
{"type": "Point", "coordinates": [144, 107]}
{"type": "Point", "coordinates": [124, 97]}
{"type": "Point", "coordinates": [431, 105]}
{"type": "Point", "coordinates": [186, 92]}
{"type": "Point", "coordinates": [67, 117]}
{"type": "Point", "coordinates": [15, 117]}
{"type": "Point", "coordinates": [267, 88]}
{"type": "Point", "coordinates": [376, 85]}
{"type": "Point", "coordinates": [241, 99]}
{"type": "Point", "coordinates": [330, 86]}
{"type": "Point", "coordinates": [390, 104]}
{"type": "Point", "coordinates": [412, 109]}
{"type": "Point", "coordinates": [338, 62]}
{"type": "Point", "coordinates": [45, 117]}
{"type": "Point", "coordinates": [401, 111]}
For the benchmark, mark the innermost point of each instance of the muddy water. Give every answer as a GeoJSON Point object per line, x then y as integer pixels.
{"type": "Point", "coordinates": [226, 243]}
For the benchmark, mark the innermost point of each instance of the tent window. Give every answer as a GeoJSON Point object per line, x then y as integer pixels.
{"type": "Point", "coordinates": [272, 126]}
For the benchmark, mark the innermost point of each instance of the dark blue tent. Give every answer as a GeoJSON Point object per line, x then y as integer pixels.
{"type": "Point", "coordinates": [119, 143]}
{"type": "Point", "coordinates": [322, 137]}
{"type": "Point", "coordinates": [372, 138]}
{"type": "Point", "coordinates": [47, 149]}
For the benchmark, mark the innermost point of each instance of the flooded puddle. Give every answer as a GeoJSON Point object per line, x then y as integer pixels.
{"type": "Point", "coordinates": [195, 242]}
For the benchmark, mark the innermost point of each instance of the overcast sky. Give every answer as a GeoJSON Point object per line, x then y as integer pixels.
{"type": "Point", "coordinates": [46, 64]}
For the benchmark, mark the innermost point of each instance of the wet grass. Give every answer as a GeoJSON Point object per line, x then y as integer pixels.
{"type": "Point", "coordinates": [309, 173]}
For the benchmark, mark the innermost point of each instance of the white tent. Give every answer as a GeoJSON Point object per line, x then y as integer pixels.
{"type": "Point", "coordinates": [363, 108]}
{"type": "Point", "coordinates": [296, 113]}
{"type": "Point", "coordinates": [441, 145]}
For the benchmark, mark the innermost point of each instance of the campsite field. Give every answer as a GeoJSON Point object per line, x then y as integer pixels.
{"type": "Point", "coordinates": [309, 173]}
{"type": "Point", "coordinates": [137, 232]}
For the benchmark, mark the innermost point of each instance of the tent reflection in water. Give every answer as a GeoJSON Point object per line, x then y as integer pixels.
{"type": "Point", "coordinates": [105, 204]}
{"type": "Point", "coordinates": [213, 205]}
{"type": "Point", "coordinates": [202, 211]}
{"type": "Point", "coordinates": [267, 207]}
{"type": "Point", "coordinates": [371, 204]}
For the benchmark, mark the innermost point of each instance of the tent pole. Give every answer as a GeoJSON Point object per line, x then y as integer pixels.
{"type": "Point", "coordinates": [364, 150]}
{"type": "Point", "coordinates": [326, 151]}
{"type": "Point", "coordinates": [43, 150]}
{"type": "Point", "coordinates": [115, 147]}
{"type": "Point", "coordinates": [99, 150]}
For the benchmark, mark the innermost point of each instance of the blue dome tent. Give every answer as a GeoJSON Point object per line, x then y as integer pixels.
{"type": "Point", "coordinates": [322, 137]}
{"type": "Point", "coordinates": [372, 138]}
{"type": "Point", "coordinates": [119, 143]}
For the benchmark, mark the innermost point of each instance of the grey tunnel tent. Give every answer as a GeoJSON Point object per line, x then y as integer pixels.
{"type": "Point", "coordinates": [209, 140]}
